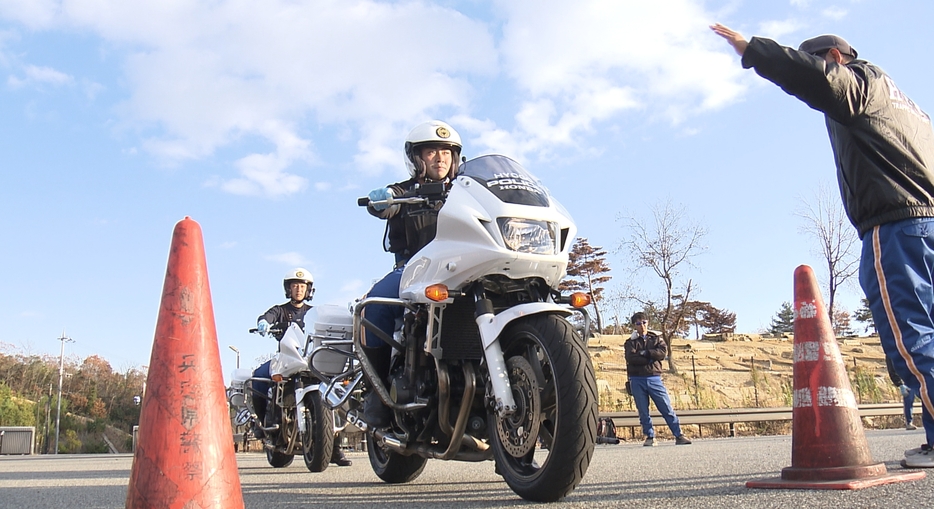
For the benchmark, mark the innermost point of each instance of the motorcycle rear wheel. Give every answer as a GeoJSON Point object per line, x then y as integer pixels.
{"type": "Point", "coordinates": [318, 438]}
{"type": "Point", "coordinates": [391, 466]}
{"type": "Point", "coordinates": [555, 389]}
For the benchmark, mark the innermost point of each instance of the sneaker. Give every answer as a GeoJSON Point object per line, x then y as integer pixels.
{"type": "Point", "coordinates": [917, 450]}
{"type": "Point", "coordinates": [682, 440]}
{"type": "Point", "coordinates": [911, 427]}
{"type": "Point", "coordinates": [649, 442]}
{"type": "Point", "coordinates": [924, 459]}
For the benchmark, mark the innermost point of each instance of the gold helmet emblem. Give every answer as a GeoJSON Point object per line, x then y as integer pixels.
{"type": "Point", "coordinates": [443, 132]}
{"type": "Point", "coordinates": [299, 274]}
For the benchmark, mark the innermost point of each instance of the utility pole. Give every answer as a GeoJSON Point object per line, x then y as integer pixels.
{"type": "Point", "coordinates": [61, 375]}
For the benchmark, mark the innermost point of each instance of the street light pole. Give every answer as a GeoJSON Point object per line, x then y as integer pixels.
{"type": "Point", "coordinates": [61, 375]}
{"type": "Point", "coordinates": [238, 354]}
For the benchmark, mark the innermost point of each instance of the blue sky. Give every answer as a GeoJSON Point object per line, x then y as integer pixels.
{"type": "Point", "coordinates": [265, 121]}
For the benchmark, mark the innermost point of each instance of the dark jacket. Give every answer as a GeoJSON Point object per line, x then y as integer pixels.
{"type": "Point", "coordinates": [408, 227]}
{"type": "Point", "coordinates": [883, 143]}
{"type": "Point", "coordinates": [281, 315]}
{"type": "Point", "coordinates": [644, 355]}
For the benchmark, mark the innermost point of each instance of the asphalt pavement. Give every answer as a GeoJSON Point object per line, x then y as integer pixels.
{"type": "Point", "coordinates": [710, 473]}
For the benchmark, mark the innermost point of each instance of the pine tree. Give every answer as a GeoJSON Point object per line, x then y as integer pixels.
{"type": "Point", "coordinates": [587, 269]}
{"type": "Point", "coordinates": [864, 315]}
{"type": "Point", "coordinates": [784, 320]}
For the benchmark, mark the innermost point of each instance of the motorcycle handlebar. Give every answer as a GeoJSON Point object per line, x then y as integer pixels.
{"type": "Point", "coordinates": [254, 330]}
{"type": "Point", "coordinates": [364, 201]}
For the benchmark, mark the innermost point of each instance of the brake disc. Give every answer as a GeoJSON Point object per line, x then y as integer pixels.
{"type": "Point", "coordinates": [518, 431]}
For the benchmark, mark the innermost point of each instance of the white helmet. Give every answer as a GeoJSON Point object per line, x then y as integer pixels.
{"type": "Point", "coordinates": [301, 275]}
{"type": "Point", "coordinates": [433, 132]}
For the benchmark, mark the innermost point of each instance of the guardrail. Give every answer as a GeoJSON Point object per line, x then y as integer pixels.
{"type": "Point", "coordinates": [732, 416]}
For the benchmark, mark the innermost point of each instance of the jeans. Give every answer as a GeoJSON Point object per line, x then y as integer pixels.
{"type": "Point", "coordinates": [645, 387]}
{"type": "Point", "coordinates": [895, 272]}
{"type": "Point", "coordinates": [381, 315]}
{"type": "Point", "coordinates": [259, 402]}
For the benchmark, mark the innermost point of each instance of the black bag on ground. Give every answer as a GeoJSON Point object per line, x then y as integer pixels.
{"type": "Point", "coordinates": [606, 431]}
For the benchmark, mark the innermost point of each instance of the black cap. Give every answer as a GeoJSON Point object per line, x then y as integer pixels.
{"type": "Point", "coordinates": [826, 42]}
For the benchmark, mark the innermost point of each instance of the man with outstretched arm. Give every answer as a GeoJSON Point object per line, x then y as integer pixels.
{"type": "Point", "coordinates": [883, 146]}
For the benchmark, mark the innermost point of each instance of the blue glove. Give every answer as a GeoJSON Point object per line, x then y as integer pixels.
{"type": "Point", "coordinates": [904, 390]}
{"type": "Point", "coordinates": [380, 194]}
{"type": "Point", "coordinates": [262, 327]}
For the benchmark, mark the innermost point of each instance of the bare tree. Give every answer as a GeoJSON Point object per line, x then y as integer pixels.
{"type": "Point", "coordinates": [826, 221]}
{"type": "Point", "coordinates": [665, 244]}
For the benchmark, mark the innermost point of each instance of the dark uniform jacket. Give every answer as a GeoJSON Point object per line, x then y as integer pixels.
{"type": "Point", "coordinates": [408, 227]}
{"type": "Point", "coordinates": [644, 355]}
{"type": "Point", "coordinates": [281, 315]}
{"type": "Point", "coordinates": [883, 143]}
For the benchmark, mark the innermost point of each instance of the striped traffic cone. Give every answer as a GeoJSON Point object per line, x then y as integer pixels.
{"type": "Point", "coordinates": [829, 448]}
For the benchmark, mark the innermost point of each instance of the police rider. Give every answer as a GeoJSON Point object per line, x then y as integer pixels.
{"type": "Point", "coordinates": [299, 289]}
{"type": "Point", "coordinates": [432, 153]}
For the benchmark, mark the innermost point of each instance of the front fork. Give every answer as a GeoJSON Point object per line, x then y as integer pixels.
{"type": "Point", "coordinates": [300, 391]}
{"type": "Point", "coordinates": [503, 402]}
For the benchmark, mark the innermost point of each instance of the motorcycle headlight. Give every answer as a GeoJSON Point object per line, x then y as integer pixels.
{"type": "Point", "coordinates": [529, 235]}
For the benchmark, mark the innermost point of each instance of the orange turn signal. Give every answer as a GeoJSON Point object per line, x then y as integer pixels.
{"type": "Point", "coordinates": [580, 299]}
{"type": "Point", "coordinates": [277, 378]}
{"type": "Point", "coordinates": [437, 292]}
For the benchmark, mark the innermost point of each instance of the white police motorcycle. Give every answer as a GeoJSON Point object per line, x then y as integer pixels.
{"type": "Point", "coordinates": [485, 365]}
{"type": "Point", "coordinates": [297, 421]}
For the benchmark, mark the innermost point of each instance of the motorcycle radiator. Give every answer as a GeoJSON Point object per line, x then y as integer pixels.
{"type": "Point", "coordinates": [460, 337]}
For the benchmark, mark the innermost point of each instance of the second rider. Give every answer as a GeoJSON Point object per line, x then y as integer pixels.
{"type": "Point", "coordinates": [299, 289]}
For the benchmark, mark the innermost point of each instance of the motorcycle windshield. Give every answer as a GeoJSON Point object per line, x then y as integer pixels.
{"type": "Point", "coordinates": [506, 179]}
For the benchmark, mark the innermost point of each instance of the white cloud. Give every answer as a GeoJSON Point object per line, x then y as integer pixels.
{"type": "Point", "coordinates": [834, 12]}
{"type": "Point", "coordinates": [776, 29]}
{"type": "Point", "coordinates": [203, 75]}
{"type": "Point", "coordinates": [584, 62]}
{"type": "Point", "coordinates": [291, 259]}
{"type": "Point", "coordinates": [208, 75]}
{"type": "Point", "coordinates": [38, 75]}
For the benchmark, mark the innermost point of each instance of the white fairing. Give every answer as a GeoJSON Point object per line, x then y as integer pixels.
{"type": "Point", "coordinates": [289, 360]}
{"type": "Point", "coordinates": [239, 377]}
{"type": "Point", "coordinates": [469, 243]}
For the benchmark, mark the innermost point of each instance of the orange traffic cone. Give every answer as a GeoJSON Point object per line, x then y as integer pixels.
{"type": "Point", "coordinates": [184, 454]}
{"type": "Point", "coordinates": [829, 449]}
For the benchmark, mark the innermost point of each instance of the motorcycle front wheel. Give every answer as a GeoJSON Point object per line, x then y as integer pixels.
{"type": "Point", "coordinates": [277, 459]}
{"type": "Point", "coordinates": [318, 438]}
{"type": "Point", "coordinates": [544, 448]}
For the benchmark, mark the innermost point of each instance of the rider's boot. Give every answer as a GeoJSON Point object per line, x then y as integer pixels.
{"type": "Point", "coordinates": [375, 413]}
{"type": "Point", "coordinates": [259, 405]}
{"type": "Point", "coordinates": [337, 456]}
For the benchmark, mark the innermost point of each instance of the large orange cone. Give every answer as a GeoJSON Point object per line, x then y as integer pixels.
{"type": "Point", "coordinates": [829, 448]}
{"type": "Point", "coordinates": [184, 454]}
